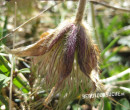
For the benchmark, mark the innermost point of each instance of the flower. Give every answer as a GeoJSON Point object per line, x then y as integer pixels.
{"type": "Point", "coordinates": [66, 57]}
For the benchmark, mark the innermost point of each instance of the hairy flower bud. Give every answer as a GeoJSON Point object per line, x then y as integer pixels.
{"type": "Point", "coordinates": [65, 57]}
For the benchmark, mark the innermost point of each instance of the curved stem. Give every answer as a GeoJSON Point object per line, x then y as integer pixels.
{"type": "Point", "coordinates": [80, 11]}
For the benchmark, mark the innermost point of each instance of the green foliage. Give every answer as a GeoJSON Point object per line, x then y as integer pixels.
{"type": "Point", "coordinates": [5, 77]}
{"type": "Point", "coordinates": [76, 107]}
{"type": "Point", "coordinates": [107, 104]}
{"type": "Point", "coordinates": [115, 24]}
{"type": "Point", "coordinates": [125, 103]}
{"type": "Point", "coordinates": [24, 70]}
{"type": "Point", "coordinates": [3, 80]}
{"type": "Point", "coordinates": [113, 61]}
{"type": "Point", "coordinates": [109, 46]}
{"type": "Point", "coordinates": [4, 67]}
{"type": "Point", "coordinates": [3, 101]}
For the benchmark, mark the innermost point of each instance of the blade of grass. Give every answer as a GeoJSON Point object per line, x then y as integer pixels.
{"type": "Point", "coordinates": [21, 85]}
{"type": "Point", "coordinates": [112, 54]}
{"type": "Point", "coordinates": [109, 46]}
{"type": "Point", "coordinates": [4, 67]}
{"type": "Point", "coordinates": [2, 99]}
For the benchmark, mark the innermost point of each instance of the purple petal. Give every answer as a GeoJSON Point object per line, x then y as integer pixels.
{"type": "Point", "coordinates": [68, 58]}
{"type": "Point", "coordinates": [87, 58]}
{"type": "Point", "coordinates": [60, 35]}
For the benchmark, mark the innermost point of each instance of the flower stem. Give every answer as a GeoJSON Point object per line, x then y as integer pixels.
{"type": "Point", "coordinates": [80, 11]}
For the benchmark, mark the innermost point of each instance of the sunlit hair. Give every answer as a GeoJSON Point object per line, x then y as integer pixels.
{"type": "Point", "coordinates": [65, 59]}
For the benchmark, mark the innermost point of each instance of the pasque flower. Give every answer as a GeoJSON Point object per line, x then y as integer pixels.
{"type": "Point", "coordinates": [66, 53]}
{"type": "Point", "coordinates": [68, 43]}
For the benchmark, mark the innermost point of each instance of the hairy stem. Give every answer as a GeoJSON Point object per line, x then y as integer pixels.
{"type": "Point", "coordinates": [80, 11]}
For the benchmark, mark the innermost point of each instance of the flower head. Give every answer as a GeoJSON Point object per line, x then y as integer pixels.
{"type": "Point", "coordinates": [65, 58]}
{"type": "Point", "coordinates": [67, 43]}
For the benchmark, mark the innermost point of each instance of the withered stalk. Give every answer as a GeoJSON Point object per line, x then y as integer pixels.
{"type": "Point", "coordinates": [51, 94]}
{"type": "Point", "coordinates": [49, 97]}
{"type": "Point", "coordinates": [110, 6]}
{"type": "Point", "coordinates": [12, 64]}
{"type": "Point", "coordinates": [80, 11]}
